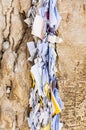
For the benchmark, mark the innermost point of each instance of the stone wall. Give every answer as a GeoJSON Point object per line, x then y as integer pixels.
{"type": "Point", "coordinates": [72, 63]}
{"type": "Point", "coordinates": [14, 68]}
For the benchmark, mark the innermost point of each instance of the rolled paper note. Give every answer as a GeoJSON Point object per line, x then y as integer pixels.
{"type": "Point", "coordinates": [54, 39]}
{"type": "Point", "coordinates": [28, 22]}
{"type": "Point", "coordinates": [39, 27]}
{"type": "Point", "coordinates": [51, 38]}
{"type": "Point", "coordinates": [56, 107]}
{"type": "Point", "coordinates": [46, 90]}
{"type": "Point", "coordinates": [54, 17]}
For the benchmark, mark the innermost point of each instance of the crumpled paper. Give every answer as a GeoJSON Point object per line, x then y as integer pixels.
{"type": "Point", "coordinates": [45, 102]}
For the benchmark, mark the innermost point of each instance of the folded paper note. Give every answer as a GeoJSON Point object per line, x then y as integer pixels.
{"type": "Point", "coordinates": [32, 50]}
{"type": "Point", "coordinates": [37, 77]}
{"type": "Point", "coordinates": [39, 27]}
{"type": "Point", "coordinates": [54, 39]}
{"type": "Point", "coordinates": [56, 107]}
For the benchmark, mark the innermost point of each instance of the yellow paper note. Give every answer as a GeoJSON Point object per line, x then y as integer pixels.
{"type": "Point", "coordinates": [46, 89]}
{"type": "Point", "coordinates": [55, 104]}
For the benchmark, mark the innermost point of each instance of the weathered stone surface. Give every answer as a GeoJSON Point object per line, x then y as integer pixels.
{"type": "Point", "coordinates": [15, 70]}
{"type": "Point", "coordinates": [72, 63]}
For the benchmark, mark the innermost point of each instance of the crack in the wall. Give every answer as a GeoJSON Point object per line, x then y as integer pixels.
{"type": "Point", "coordinates": [7, 16]}
{"type": "Point", "coordinates": [10, 24]}
{"type": "Point", "coordinates": [17, 49]}
{"type": "Point", "coordinates": [1, 58]}
{"type": "Point", "coordinates": [5, 22]}
{"type": "Point", "coordinates": [20, 5]}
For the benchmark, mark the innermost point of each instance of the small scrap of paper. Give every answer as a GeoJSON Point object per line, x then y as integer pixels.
{"type": "Point", "coordinates": [39, 27]}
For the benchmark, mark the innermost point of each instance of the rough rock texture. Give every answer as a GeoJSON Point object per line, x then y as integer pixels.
{"type": "Point", "coordinates": [15, 78]}
{"type": "Point", "coordinates": [72, 63]}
